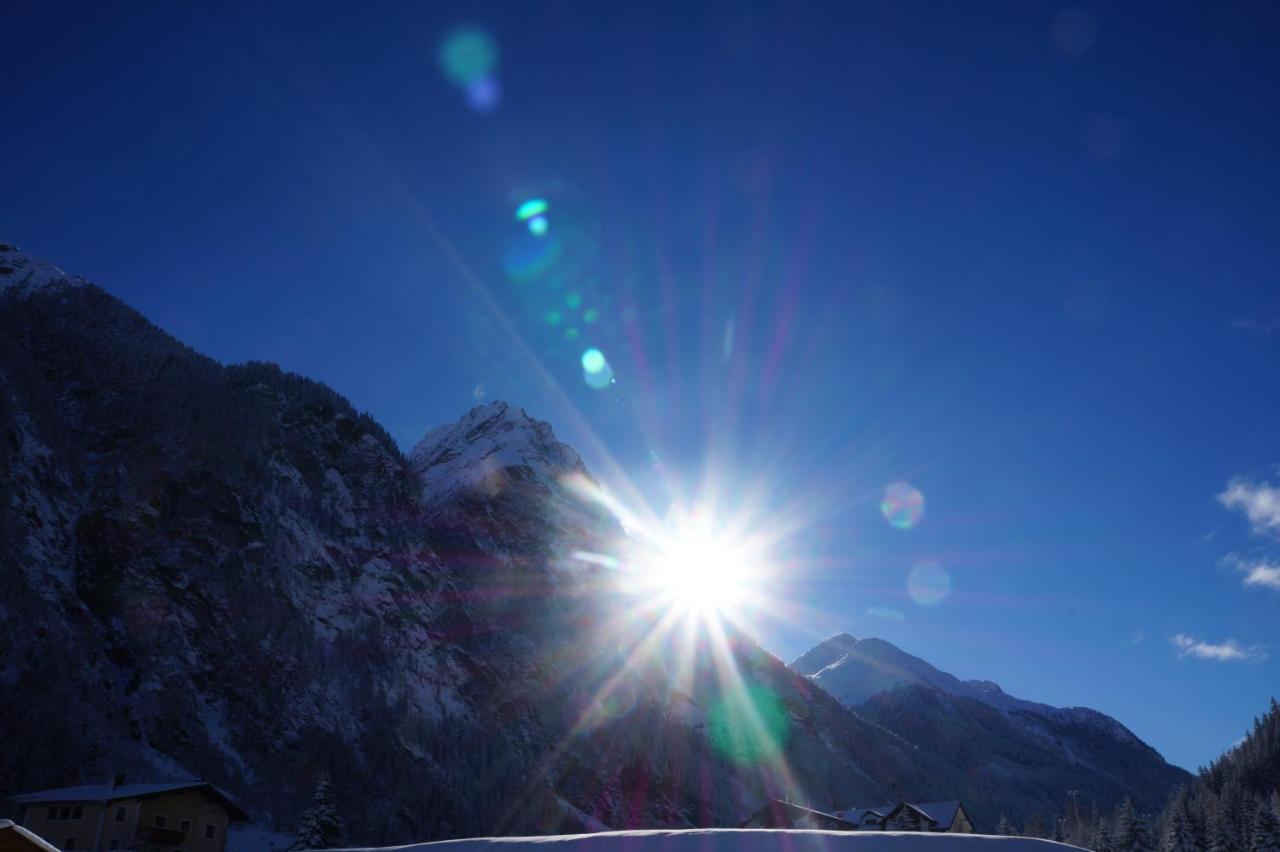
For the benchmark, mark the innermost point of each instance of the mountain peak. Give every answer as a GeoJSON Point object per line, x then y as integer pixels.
{"type": "Point", "coordinates": [488, 447]}
{"type": "Point", "coordinates": [21, 271]}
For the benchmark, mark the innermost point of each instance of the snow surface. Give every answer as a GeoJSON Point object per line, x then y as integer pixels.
{"type": "Point", "coordinates": [21, 272]}
{"type": "Point", "coordinates": [745, 840]}
{"type": "Point", "coordinates": [475, 453]}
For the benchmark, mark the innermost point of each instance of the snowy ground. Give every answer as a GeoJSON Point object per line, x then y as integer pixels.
{"type": "Point", "coordinates": [255, 838]}
{"type": "Point", "coordinates": [745, 840]}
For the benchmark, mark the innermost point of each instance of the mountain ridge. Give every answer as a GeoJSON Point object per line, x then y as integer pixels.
{"type": "Point", "coordinates": [185, 531]}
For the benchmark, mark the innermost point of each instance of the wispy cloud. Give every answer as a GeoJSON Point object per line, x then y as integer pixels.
{"type": "Point", "coordinates": [1227, 651]}
{"type": "Point", "coordinates": [1259, 501]}
{"type": "Point", "coordinates": [1258, 573]}
{"type": "Point", "coordinates": [1138, 638]}
{"type": "Point", "coordinates": [1257, 326]}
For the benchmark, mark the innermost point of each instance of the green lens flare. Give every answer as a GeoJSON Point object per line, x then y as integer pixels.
{"type": "Point", "coordinates": [593, 361]}
{"type": "Point", "coordinates": [531, 208]}
{"type": "Point", "coordinates": [468, 55]}
{"type": "Point", "coordinates": [748, 725]}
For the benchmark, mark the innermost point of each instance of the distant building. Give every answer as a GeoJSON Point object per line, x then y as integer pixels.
{"type": "Point", "coordinates": [15, 838]}
{"type": "Point", "coordinates": [930, 816]}
{"type": "Point", "coordinates": [779, 814]}
{"type": "Point", "coordinates": [865, 818]}
{"type": "Point", "coordinates": [185, 816]}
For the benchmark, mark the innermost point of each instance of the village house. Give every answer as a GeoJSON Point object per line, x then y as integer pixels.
{"type": "Point", "coordinates": [779, 814]}
{"type": "Point", "coordinates": [905, 816]}
{"type": "Point", "coordinates": [184, 816]}
{"type": "Point", "coordinates": [930, 816]}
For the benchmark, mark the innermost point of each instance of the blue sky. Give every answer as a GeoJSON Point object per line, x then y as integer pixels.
{"type": "Point", "coordinates": [1022, 257]}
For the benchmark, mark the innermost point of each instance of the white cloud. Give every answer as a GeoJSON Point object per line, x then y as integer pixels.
{"type": "Point", "coordinates": [1263, 574]}
{"type": "Point", "coordinates": [1258, 573]}
{"type": "Point", "coordinates": [1227, 651]}
{"type": "Point", "coordinates": [1259, 501]}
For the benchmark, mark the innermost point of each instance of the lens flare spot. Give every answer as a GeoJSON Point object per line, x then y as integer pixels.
{"type": "Point", "coordinates": [590, 316]}
{"type": "Point", "coordinates": [553, 317]}
{"type": "Point", "coordinates": [571, 334]}
{"type": "Point", "coordinates": [538, 226]}
{"type": "Point", "coordinates": [748, 724]}
{"type": "Point", "coordinates": [573, 301]}
{"type": "Point", "coordinates": [929, 584]}
{"type": "Point", "coordinates": [596, 371]}
{"type": "Point", "coordinates": [468, 55]}
{"type": "Point", "coordinates": [529, 256]}
{"type": "Point", "coordinates": [484, 95]}
{"type": "Point", "coordinates": [531, 209]}
{"type": "Point", "coordinates": [902, 505]}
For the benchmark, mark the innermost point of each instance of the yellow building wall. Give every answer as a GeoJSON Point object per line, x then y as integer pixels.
{"type": "Point", "coordinates": [80, 832]}
{"type": "Point", "coordinates": [189, 806]}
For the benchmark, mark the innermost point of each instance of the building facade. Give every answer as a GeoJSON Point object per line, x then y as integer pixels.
{"type": "Point", "coordinates": [174, 817]}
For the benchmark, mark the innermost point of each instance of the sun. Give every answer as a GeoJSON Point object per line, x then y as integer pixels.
{"type": "Point", "coordinates": [700, 573]}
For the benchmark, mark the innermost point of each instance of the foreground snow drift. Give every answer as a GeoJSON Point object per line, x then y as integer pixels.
{"type": "Point", "coordinates": [746, 840]}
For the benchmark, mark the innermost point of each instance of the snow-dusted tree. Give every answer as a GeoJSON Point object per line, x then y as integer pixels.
{"type": "Point", "coordinates": [1034, 826]}
{"type": "Point", "coordinates": [1124, 829]}
{"type": "Point", "coordinates": [320, 827]}
{"type": "Point", "coordinates": [1179, 834]}
{"type": "Point", "coordinates": [1266, 830]}
{"type": "Point", "coordinates": [1100, 840]}
{"type": "Point", "coordinates": [1004, 827]}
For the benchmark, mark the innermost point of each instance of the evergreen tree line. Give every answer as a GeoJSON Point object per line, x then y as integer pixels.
{"type": "Point", "coordinates": [1232, 806]}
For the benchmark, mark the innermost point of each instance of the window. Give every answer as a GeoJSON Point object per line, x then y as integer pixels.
{"type": "Point", "coordinates": [77, 812]}
{"type": "Point", "coordinates": [160, 821]}
{"type": "Point", "coordinates": [53, 812]}
{"type": "Point", "coordinates": [208, 831]}
{"type": "Point", "coordinates": [119, 813]}
{"type": "Point", "coordinates": [185, 825]}
{"type": "Point", "coordinates": [64, 812]}
{"type": "Point", "coordinates": [69, 843]}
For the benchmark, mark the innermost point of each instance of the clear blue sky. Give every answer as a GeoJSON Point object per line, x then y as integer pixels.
{"type": "Point", "coordinates": [1023, 256]}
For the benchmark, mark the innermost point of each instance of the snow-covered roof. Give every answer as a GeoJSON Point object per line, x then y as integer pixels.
{"type": "Point", "coordinates": [7, 827]}
{"type": "Point", "coordinates": [746, 840]}
{"type": "Point", "coordinates": [943, 814]}
{"type": "Point", "coordinates": [110, 793]}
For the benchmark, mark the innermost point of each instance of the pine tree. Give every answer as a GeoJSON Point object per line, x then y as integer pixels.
{"type": "Point", "coordinates": [1266, 830]}
{"type": "Point", "coordinates": [1005, 828]}
{"type": "Point", "coordinates": [319, 827]}
{"type": "Point", "coordinates": [1179, 835]}
{"type": "Point", "coordinates": [1124, 832]}
{"type": "Point", "coordinates": [1035, 826]}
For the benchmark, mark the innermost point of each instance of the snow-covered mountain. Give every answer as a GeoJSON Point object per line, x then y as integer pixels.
{"type": "Point", "coordinates": [228, 572]}
{"type": "Point", "coordinates": [938, 711]}
{"type": "Point", "coordinates": [185, 533]}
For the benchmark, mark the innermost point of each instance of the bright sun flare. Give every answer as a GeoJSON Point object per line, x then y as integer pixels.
{"type": "Point", "coordinates": [700, 573]}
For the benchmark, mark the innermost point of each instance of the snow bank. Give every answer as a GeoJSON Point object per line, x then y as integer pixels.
{"type": "Point", "coordinates": [745, 840]}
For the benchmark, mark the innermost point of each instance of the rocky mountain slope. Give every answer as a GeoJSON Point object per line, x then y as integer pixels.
{"type": "Point", "coordinates": [226, 571]}
{"type": "Point", "coordinates": [991, 735]}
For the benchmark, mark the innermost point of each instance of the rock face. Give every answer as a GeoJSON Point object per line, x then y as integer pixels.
{"type": "Point", "coordinates": [225, 571]}
{"type": "Point", "coordinates": [1017, 756]}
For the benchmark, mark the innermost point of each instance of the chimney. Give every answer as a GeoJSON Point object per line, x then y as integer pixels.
{"type": "Point", "coordinates": [117, 781]}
